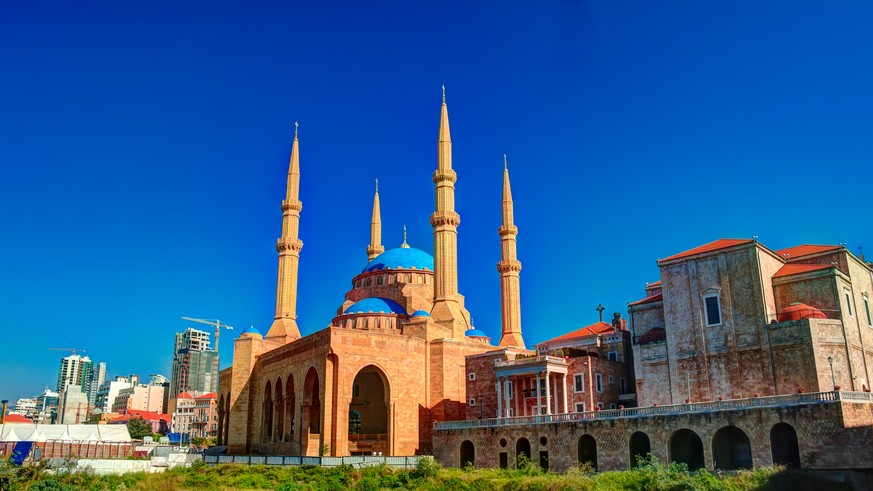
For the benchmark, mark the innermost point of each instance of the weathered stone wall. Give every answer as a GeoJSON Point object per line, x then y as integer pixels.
{"type": "Point", "coordinates": [830, 436]}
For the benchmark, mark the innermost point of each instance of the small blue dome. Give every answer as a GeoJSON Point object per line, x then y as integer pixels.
{"type": "Point", "coordinates": [421, 313]}
{"type": "Point", "coordinates": [401, 258]}
{"type": "Point", "coordinates": [375, 305]}
{"type": "Point", "coordinates": [251, 330]}
{"type": "Point", "coordinates": [475, 333]}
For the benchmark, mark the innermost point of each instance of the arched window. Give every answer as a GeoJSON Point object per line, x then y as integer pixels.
{"type": "Point", "coordinates": [468, 453]}
{"type": "Point", "coordinates": [407, 278]}
{"type": "Point", "coordinates": [588, 451]}
{"type": "Point", "coordinates": [367, 282]}
{"type": "Point", "coordinates": [379, 280]}
{"type": "Point", "coordinates": [354, 422]}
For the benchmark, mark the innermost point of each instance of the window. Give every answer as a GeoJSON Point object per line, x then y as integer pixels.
{"type": "Point", "coordinates": [712, 304]}
{"type": "Point", "coordinates": [611, 379]}
{"type": "Point", "coordinates": [580, 407]}
{"type": "Point", "coordinates": [612, 406]}
{"type": "Point", "coordinates": [623, 382]}
{"type": "Point", "coordinates": [472, 401]}
{"type": "Point", "coordinates": [579, 383]}
{"type": "Point", "coordinates": [379, 280]}
{"type": "Point", "coordinates": [354, 422]}
{"type": "Point", "coordinates": [598, 379]}
{"type": "Point", "coordinates": [612, 356]}
{"type": "Point", "coordinates": [848, 301]}
{"type": "Point", "coordinates": [471, 376]}
{"type": "Point", "coordinates": [600, 405]}
{"type": "Point", "coordinates": [867, 310]}
{"type": "Point", "coordinates": [510, 390]}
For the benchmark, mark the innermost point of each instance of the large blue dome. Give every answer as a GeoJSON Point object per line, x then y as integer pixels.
{"type": "Point", "coordinates": [401, 258]}
{"type": "Point", "coordinates": [375, 305]}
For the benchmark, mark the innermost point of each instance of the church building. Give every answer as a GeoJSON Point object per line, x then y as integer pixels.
{"type": "Point", "coordinates": [391, 362]}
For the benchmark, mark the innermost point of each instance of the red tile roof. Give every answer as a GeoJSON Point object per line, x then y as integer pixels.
{"type": "Point", "coordinates": [184, 395]}
{"type": "Point", "coordinates": [146, 415]}
{"type": "Point", "coordinates": [791, 268]}
{"type": "Point", "coordinates": [653, 298]}
{"type": "Point", "coordinates": [806, 250]}
{"type": "Point", "coordinates": [17, 419]}
{"type": "Point", "coordinates": [712, 246]}
{"type": "Point", "coordinates": [657, 283]}
{"type": "Point", "coordinates": [592, 330]}
{"type": "Point", "coordinates": [211, 395]}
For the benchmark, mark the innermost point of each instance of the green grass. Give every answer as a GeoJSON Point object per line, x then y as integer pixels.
{"type": "Point", "coordinates": [428, 475]}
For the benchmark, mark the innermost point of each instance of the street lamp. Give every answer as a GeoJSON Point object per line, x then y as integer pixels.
{"type": "Point", "coordinates": [833, 379]}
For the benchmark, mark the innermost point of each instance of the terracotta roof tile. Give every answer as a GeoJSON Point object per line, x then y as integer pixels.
{"type": "Point", "coordinates": [17, 419]}
{"type": "Point", "coordinates": [657, 283]}
{"type": "Point", "coordinates": [211, 395]}
{"type": "Point", "coordinates": [791, 268]}
{"type": "Point", "coordinates": [653, 298]}
{"type": "Point", "coordinates": [805, 250]}
{"type": "Point", "coordinates": [712, 246]}
{"type": "Point", "coordinates": [592, 330]}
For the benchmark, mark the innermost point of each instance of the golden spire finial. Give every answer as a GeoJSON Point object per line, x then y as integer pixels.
{"type": "Point", "coordinates": [404, 245]}
{"type": "Point", "coordinates": [296, 125]}
{"type": "Point", "coordinates": [377, 186]}
{"type": "Point", "coordinates": [504, 161]}
{"type": "Point", "coordinates": [444, 93]}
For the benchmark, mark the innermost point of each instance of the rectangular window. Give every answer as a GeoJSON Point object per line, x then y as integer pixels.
{"type": "Point", "coordinates": [471, 376]}
{"type": "Point", "coordinates": [600, 405]}
{"type": "Point", "coordinates": [510, 390]}
{"type": "Point", "coordinates": [580, 407]}
{"type": "Point", "coordinates": [623, 382]}
{"type": "Point", "coordinates": [612, 356]}
{"type": "Point", "coordinates": [504, 460]}
{"type": "Point", "coordinates": [612, 406]}
{"type": "Point", "coordinates": [472, 401]}
{"type": "Point", "coordinates": [544, 460]}
{"type": "Point", "coordinates": [598, 378]}
{"type": "Point", "coordinates": [867, 310]}
{"type": "Point", "coordinates": [611, 379]}
{"type": "Point", "coordinates": [579, 383]}
{"type": "Point", "coordinates": [713, 310]}
{"type": "Point", "coordinates": [848, 301]}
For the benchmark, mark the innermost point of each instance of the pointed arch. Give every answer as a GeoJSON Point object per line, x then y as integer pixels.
{"type": "Point", "coordinates": [290, 408]}
{"type": "Point", "coordinates": [310, 438]}
{"type": "Point", "coordinates": [278, 412]}
{"type": "Point", "coordinates": [267, 414]}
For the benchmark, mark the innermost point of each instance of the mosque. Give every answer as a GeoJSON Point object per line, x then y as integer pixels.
{"type": "Point", "coordinates": [392, 361]}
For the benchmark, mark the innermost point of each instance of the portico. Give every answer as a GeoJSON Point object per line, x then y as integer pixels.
{"type": "Point", "coordinates": [531, 386]}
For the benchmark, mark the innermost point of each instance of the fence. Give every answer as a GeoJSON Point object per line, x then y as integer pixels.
{"type": "Point", "coordinates": [636, 412]}
{"type": "Point", "coordinates": [355, 461]}
{"type": "Point", "coordinates": [94, 449]}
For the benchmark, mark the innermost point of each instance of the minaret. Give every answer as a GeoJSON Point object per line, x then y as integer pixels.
{"type": "Point", "coordinates": [284, 326]}
{"type": "Point", "coordinates": [375, 248]}
{"type": "Point", "coordinates": [447, 311]}
{"type": "Point", "coordinates": [509, 267]}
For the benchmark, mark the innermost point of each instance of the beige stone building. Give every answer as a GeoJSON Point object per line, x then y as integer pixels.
{"type": "Point", "coordinates": [392, 360]}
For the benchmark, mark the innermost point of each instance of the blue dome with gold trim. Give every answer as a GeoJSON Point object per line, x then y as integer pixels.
{"type": "Point", "coordinates": [475, 333]}
{"type": "Point", "coordinates": [375, 305]}
{"type": "Point", "coordinates": [401, 258]}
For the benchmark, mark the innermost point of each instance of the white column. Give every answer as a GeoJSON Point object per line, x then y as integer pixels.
{"type": "Point", "coordinates": [499, 399]}
{"type": "Point", "coordinates": [548, 394]}
{"type": "Point", "coordinates": [555, 391]}
{"type": "Point", "coordinates": [539, 402]}
{"type": "Point", "coordinates": [564, 378]}
{"type": "Point", "coordinates": [518, 394]}
{"type": "Point", "coordinates": [506, 395]}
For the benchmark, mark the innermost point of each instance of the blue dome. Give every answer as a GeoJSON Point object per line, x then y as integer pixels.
{"type": "Point", "coordinates": [251, 330]}
{"type": "Point", "coordinates": [375, 305]}
{"type": "Point", "coordinates": [475, 333]}
{"type": "Point", "coordinates": [401, 258]}
{"type": "Point", "coordinates": [421, 313]}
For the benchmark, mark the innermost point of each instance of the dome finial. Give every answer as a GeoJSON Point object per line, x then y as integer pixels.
{"type": "Point", "coordinates": [404, 245]}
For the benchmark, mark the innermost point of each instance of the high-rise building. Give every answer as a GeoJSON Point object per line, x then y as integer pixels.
{"type": "Point", "coordinates": [108, 391]}
{"type": "Point", "coordinates": [75, 370]}
{"type": "Point", "coordinates": [195, 366]}
{"type": "Point", "coordinates": [98, 377]}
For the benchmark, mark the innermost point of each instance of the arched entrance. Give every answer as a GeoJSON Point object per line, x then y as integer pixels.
{"type": "Point", "coordinates": [731, 449]}
{"type": "Point", "coordinates": [290, 408]}
{"type": "Point", "coordinates": [686, 448]}
{"type": "Point", "coordinates": [588, 451]}
{"type": "Point", "coordinates": [371, 394]}
{"type": "Point", "coordinates": [468, 454]}
{"type": "Point", "coordinates": [310, 437]}
{"type": "Point", "coordinates": [279, 413]}
{"type": "Point", "coordinates": [783, 445]}
{"type": "Point", "coordinates": [267, 415]}
{"type": "Point", "coordinates": [640, 447]}
{"type": "Point", "coordinates": [522, 447]}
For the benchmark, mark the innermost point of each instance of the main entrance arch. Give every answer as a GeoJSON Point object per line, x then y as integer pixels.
{"type": "Point", "coordinates": [731, 449]}
{"type": "Point", "coordinates": [310, 437]}
{"type": "Point", "coordinates": [369, 428]}
{"type": "Point", "coordinates": [686, 447]}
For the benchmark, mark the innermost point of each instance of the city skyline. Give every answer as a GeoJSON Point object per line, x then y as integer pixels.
{"type": "Point", "coordinates": [145, 174]}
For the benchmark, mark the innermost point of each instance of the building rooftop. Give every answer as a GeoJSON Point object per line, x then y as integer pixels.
{"type": "Point", "coordinates": [792, 269]}
{"type": "Point", "coordinates": [376, 305]}
{"type": "Point", "coordinates": [401, 258]}
{"type": "Point", "coordinates": [710, 247]}
{"type": "Point", "coordinates": [805, 250]}
{"type": "Point", "coordinates": [598, 328]}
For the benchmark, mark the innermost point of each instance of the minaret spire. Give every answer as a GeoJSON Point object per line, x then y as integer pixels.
{"type": "Point", "coordinates": [375, 248]}
{"type": "Point", "coordinates": [404, 245]}
{"type": "Point", "coordinates": [284, 326]}
{"type": "Point", "coordinates": [448, 309]}
{"type": "Point", "coordinates": [509, 268]}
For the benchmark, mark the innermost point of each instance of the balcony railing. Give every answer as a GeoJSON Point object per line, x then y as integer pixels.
{"type": "Point", "coordinates": [530, 360]}
{"type": "Point", "coordinates": [672, 409]}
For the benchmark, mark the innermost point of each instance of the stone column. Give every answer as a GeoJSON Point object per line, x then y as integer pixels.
{"type": "Point", "coordinates": [539, 401]}
{"type": "Point", "coordinates": [555, 392]}
{"type": "Point", "coordinates": [564, 386]}
{"type": "Point", "coordinates": [548, 394]}
{"type": "Point", "coordinates": [499, 398]}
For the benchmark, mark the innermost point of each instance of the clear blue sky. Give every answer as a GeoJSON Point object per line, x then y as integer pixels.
{"type": "Point", "coordinates": [144, 150]}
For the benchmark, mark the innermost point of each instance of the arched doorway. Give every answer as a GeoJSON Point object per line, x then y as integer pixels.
{"type": "Point", "coordinates": [522, 447]}
{"type": "Point", "coordinates": [640, 447]}
{"type": "Point", "coordinates": [267, 415]}
{"type": "Point", "coordinates": [731, 449]}
{"type": "Point", "coordinates": [310, 437]}
{"type": "Point", "coordinates": [278, 413]}
{"type": "Point", "coordinates": [588, 451]}
{"type": "Point", "coordinates": [783, 445]}
{"type": "Point", "coordinates": [468, 454]}
{"type": "Point", "coordinates": [290, 408]}
{"type": "Point", "coordinates": [686, 448]}
{"type": "Point", "coordinates": [371, 394]}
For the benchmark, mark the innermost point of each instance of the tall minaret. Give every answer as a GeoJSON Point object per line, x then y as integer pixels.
{"type": "Point", "coordinates": [284, 326]}
{"type": "Point", "coordinates": [509, 267]}
{"type": "Point", "coordinates": [375, 248]}
{"type": "Point", "coordinates": [447, 310]}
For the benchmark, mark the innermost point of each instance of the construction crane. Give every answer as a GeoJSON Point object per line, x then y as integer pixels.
{"type": "Point", "coordinates": [214, 323]}
{"type": "Point", "coordinates": [73, 350]}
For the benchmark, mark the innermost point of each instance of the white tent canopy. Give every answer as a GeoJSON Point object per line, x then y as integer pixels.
{"type": "Point", "coordinates": [42, 433]}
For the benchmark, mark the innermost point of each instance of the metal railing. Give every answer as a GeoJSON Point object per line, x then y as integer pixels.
{"type": "Point", "coordinates": [354, 461]}
{"type": "Point", "coordinates": [530, 360]}
{"type": "Point", "coordinates": [637, 412]}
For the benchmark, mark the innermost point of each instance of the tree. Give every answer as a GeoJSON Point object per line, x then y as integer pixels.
{"type": "Point", "coordinates": [138, 428]}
